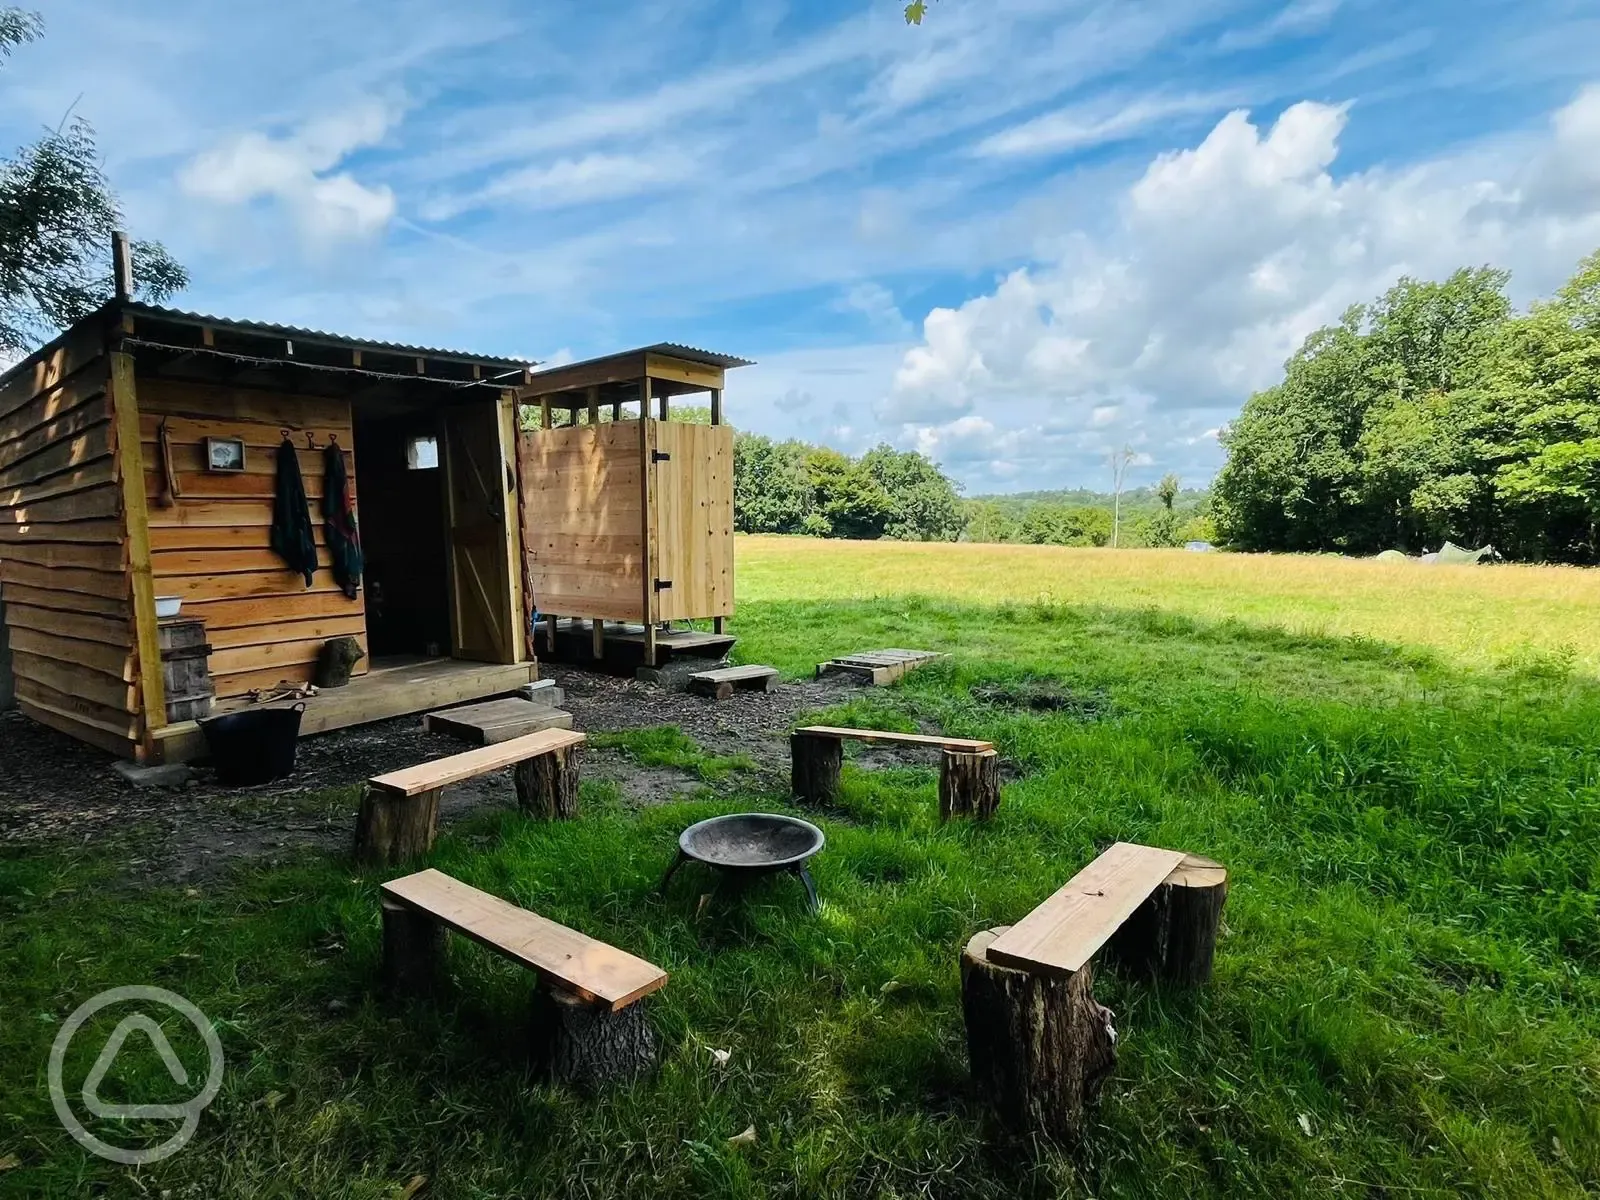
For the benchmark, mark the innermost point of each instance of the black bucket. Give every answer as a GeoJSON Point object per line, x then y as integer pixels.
{"type": "Point", "coordinates": [254, 746]}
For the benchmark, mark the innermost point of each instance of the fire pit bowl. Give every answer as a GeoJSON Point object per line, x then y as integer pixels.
{"type": "Point", "coordinates": [745, 844]}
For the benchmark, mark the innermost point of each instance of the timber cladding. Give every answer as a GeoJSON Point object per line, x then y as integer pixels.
{"type": "Point", "coordinates": [211, 545]}
{"type": "Point", "coordinates": [63, 546]}
{"type": "Point", "coordinates": [582, 526]}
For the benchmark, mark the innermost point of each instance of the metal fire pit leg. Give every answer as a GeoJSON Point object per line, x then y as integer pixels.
{"type": "Point", "coordinates": [671, 871]}
{"type": "Point", "coordinates": [811, 888]}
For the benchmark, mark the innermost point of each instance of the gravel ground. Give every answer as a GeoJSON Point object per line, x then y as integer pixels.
{"type": "Point", "coordinates": [54, 789]}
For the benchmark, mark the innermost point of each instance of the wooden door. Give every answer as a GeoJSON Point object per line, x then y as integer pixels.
{"type": "Point", "coordinates": [480, 493]}
{"type": "Point", "coordinates": [691, 520]}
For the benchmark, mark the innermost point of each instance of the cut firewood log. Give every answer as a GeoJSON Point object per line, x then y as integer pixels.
{"type": "Point", "coordinates": [815, 763]}
{"type": "Point", "coordinates": [969, 784]}
{"type": "Point", "coordinates": [1172, 936]}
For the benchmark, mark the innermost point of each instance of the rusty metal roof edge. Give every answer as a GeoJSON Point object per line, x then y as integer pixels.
{"type": "Point", "coordinates": [161, 312]}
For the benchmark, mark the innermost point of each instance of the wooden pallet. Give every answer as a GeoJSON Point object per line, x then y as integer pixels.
{"type": "Point", "coordinates": [496, 721]}
{"type": "Point", "coordinates": [721, 682]}
{"type": "Point", "coordinates": [877, 667]}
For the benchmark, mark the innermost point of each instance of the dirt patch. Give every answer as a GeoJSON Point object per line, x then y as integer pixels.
{"type": "Point", "coordinates": [55, 789]}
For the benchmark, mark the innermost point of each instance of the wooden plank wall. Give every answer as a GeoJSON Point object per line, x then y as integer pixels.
{"type": "Point", "coordinates": [692, 519]}
{"type": "Point", "coordinates": [212, 546]}
{"type": "Point", "coordinates": [581, 520]}
{"type": "Point", "coordinates": [63, 547]}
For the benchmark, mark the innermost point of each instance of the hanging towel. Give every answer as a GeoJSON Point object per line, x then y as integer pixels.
{"type": "Point", "coordinates": [339, 520]}
{"type": "Point", "coordinates": [292, 537]}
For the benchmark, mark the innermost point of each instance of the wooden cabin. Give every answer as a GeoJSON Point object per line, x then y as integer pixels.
{"type": "Point", "coordinates": [138, 455]}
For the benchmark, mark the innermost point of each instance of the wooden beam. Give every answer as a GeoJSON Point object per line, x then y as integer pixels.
{"type": "Point", "coordinates": [147, 644]}
{"type": "Point", "coordinates": [513, 510]}
{"type": "Point", "coordinates": [355, 358]}
{"type": "Point", "coordinates": [594, 405]}
{"type": "Point", "coordinates": [544, 412]}
{"type": "Point", "coordinates": [665, 411]}
{"type": "Point", "coordinates": [599, 635]}
{"type": "Point", "coordinates": [208, 337]}
{"type": "Point", "coordinates": [550, 634]}
{"type": "Point", "coordinates": [422, 366]}
{"type": "Point", "coordinates": [716, 406]}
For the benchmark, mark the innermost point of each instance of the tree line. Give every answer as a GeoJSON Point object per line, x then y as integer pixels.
{"type": "Point", "coordinates": [1435, 413]}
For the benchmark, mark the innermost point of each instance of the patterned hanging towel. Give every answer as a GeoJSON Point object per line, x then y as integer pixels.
{"type": "Point", "coordinates": [339, 520]}
{"type": "Point", "coordinates": [292, 536]}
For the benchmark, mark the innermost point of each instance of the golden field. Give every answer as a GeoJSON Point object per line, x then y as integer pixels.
{"type": "Point", "coordinates": [1477, 616]}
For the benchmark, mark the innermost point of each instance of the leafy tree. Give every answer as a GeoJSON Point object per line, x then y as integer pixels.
{"type": "Point", "coordinates": [989, 522]}
{"type": "Point", "coordinates": [772, 490]}
{"type": "Point", "coordinates": [925, 505]}
{"type": "Point", "coordinates": [57, 214]}
{"type": "Point", "coordinates": [847, 497]}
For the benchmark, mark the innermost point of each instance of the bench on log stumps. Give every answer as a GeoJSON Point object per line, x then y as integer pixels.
{"type": "Point", "coordinates": [589, 1029]}
{"type": "Point", "coordinates": [400, 811]}
{"type": "Point", "coordinates": [969, 773]}
{"type": "Point", "coordinates": [1039, 1044]}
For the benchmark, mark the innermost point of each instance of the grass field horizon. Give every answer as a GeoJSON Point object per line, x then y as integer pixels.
{"type": "Point", "coordinates": [1407, 990]}
{"type": "Point", "coordinates": [1477, 616]}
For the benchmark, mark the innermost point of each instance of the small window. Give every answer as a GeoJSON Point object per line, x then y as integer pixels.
{"type": "Point", "coordinates": [422, 454]}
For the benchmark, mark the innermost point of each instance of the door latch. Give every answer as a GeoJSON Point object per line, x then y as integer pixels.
{"type": "Point", "coordinates": [663, 584]}
{"type": "Point", "coordinates": [660, 456]}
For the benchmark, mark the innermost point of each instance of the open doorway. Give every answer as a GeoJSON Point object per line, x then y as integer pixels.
{"type": "Point", "coordinates": [400, 487]}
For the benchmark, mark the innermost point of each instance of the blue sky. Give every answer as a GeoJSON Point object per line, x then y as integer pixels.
{"type": "Point", "coordinates": [1016, 237]}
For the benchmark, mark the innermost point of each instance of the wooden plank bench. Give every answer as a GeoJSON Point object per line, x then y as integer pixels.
{"type": "Point", "coordinates": [590, 1027]}
{"type": "Point", "coordinates": [1039, 1044]}
{"type": "Point", "coordinates": [721, 682]}
{"type": "Point", "coordinates": [400, 811]}
{"type": "Point", "coordinates": [969, 774]}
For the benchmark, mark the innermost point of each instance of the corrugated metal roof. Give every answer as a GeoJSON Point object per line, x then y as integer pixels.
{"type": "Point", "coordinates": [297, 332]}
{"type": "Point", "coordinates": [708, 358]}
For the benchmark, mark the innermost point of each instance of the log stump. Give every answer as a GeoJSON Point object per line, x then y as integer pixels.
{"type": "Point", "coordinates": [587, 1045]}
{"type": "Point", "coordinates": [413, 949]}
{"type": "Point", "coordinates": [814, 767]}
{"type": "Point", "coordinates": [547, 786]}
{"type": "Point", "coordinates": [1172, 936]}
{"type": "Point", "coordinates": [969, 784]}
{"type": "Point", "coordinates": [393, 829]}
{"type": "Point", "coordinates": [336, 660]}
{"type": "Point", "coordinates": [1039, 1046]}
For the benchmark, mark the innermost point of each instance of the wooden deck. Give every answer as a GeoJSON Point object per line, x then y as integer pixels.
{"type": "Point", "coordinates": [394, 687]}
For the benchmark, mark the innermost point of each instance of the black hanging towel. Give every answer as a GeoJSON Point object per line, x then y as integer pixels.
{"type": "Point", "coordinates": [292, 536]}
{"type": "Point", "coordinates": [339, 520]}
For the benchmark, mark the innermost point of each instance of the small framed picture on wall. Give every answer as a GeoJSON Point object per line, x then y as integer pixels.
{"type": "Point", "coordinates": [224, 454]}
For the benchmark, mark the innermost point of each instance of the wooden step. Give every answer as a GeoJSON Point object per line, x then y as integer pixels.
{"type": "Point", "coordinates": [722, 682]}
{"type": "Point", "coordinates": [443, 772]}
{"type": "Point", "coordinates": [877, 667]}
{"type": "Point", "coordinates": [572, 961]}
{"type": "Point", "coordinates": [492, 721]}
{"type": "Point", "coordinates": [1064, 932]}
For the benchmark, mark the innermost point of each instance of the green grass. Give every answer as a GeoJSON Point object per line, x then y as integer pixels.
{"type": "Point", "coordinates": [669, 746]}
{"type": "Point", "coordinates": [1410, 967]}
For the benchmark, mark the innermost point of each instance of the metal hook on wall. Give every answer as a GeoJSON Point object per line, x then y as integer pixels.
{"type": "Point", "coordinates": [311, 440]}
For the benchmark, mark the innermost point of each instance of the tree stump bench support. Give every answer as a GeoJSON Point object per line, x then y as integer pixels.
{"type": "Point", "coordinates": [589, 1028]}
{"type": "Point", "coordinates": [969, 778]}
{"type": "Point", "coordinates": [1038, 1043]}
{"type": "Point", "coordinates": [399, 815]}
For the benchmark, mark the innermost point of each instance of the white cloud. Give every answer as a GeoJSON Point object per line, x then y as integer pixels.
{"type": "Point", "coordinates": [1296, 19]}
{"type": "Point", "coordinates": [567, 181]}
{"type": "Point", "coordinates": [297, 170]}
{"type": "Point", "coordinates": [1224, 257]}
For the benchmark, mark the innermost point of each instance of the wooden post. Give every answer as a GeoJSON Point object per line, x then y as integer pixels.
{"type": "Point", "coordinates": [716, 406]}
{"type": "Point", "coordinates": [141, 579]}
{"type": "Point", "coordinates": [544, 412]}
{"type": "Point", "coordinates": [594, 406]}
{"type": "Point", "coordinates": [616, 411]}
{"type": "Point", "coordinates": [547, 785]}
{"type": "Point", "coordinates": [1039, 1046]}
{"type": "Point", "coordinates": [550, 634]}
{"type": "Point", "coordinates": [1172, 936]}
{"type": "Point", "coordinates": [814, 764]}
{"type": "Point", "coordinates": [393, 829]}
{"type": "Point", "coordinates": [597, 645]}
{"type": "Point", "coordinates": [716, 626]}
{"type": "Point", "coordinates": [646, 523]}
{"type": "Point", "coordinates": [413, 949]}
{"type": "Point", "coordinates": [588, 1046]}
{"type": "Point", "coordinates": [662, 404]}
{"type": "Point", "coordinates": [969, 784]}
{"type": "Point", "coordinates": [122, 265]}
